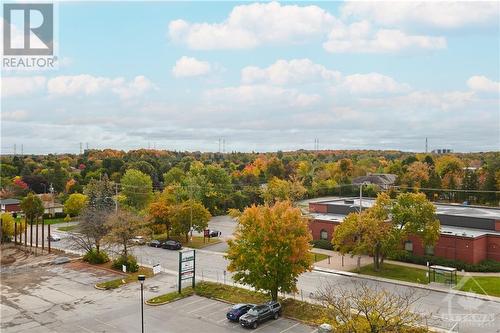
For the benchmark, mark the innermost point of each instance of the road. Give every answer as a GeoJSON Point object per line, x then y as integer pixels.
{"type": "Point", "coordinates": [444, 309]}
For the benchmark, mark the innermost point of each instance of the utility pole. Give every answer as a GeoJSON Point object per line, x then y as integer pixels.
{"type": "Point", "coordinates": [87, 144]}
{"type": "Point", "coordinates": [426, 146]}
{"type": "Point", "coordinates": [116, 198]}
{"type": "Point", "coordinates": [15, 150]}
{"type": "Point", "coordinates": [22, 149]}
{"type": "Point", "coordinates": [219, 144]}
{"type": "Point", "coordinates": [223, 145]}
{"type": "Point", "coordinates": [81, 147]}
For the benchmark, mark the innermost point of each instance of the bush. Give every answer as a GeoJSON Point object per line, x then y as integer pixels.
{"type": "Point", "coordinates": [94, 257]}
{"type": "Point", "coordinates": [483, 266]}
{"type": "Point", "coordinates": [129, 261]}
{"type": "Point", "coordinates": [322, 244]}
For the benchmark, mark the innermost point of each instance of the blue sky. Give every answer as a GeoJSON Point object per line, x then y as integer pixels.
{"type": "Point", "coordinates": [264, 76]}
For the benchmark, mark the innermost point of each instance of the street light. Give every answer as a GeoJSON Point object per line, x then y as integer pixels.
{"type": "Point", "coordinates": [141, 279]}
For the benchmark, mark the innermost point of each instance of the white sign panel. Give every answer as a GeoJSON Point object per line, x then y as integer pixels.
{"type": "Point", "coordinates": [188, 255]}
{"type": "Point", "coordinates": [187, 266]}
{"type": "Point", "coordinates": [187, 275]}
{"type": "Point", "coordinates": [156, 269]}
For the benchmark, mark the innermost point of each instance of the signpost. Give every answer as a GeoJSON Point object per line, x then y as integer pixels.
{"type": "Point", "coordinates": [187, 261]}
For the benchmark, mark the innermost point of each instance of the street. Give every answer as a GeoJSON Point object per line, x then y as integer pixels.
{"type": "Point", "coordinates": [444, 309]}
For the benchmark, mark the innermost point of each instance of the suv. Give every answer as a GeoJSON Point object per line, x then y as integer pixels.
{"type": "Point", "coordinates": [260, 313]}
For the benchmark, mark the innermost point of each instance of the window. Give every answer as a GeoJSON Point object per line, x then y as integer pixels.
{"type": "Point", "coordinates": [409, 246]}
{"type": "Point", "coordinates": [323, 234]}
{"type": "Point", "coordinates": [429, 250]}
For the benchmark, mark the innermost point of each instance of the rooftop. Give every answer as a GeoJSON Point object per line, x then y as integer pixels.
{"type": "Point", "coordinates": [9, 201]}
{"type": "Point", "coordinates": [446, 209]}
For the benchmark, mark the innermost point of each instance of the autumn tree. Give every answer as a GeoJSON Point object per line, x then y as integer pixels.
{"type": "Point", "coordinates": [8, 228]}
{"type": "Point", "coordinates": [417, 174]}
{"type": "Point", "coordinates": [75, 204]}
{"type": "Point", "coordinates": [159, 211]}
{"type": "Point", "coordinates": [271, 248]}
{"type": "Point", "coordinates": [280, 189]}
{"type": "Point", "coordinates": [124, 226]}
{"type": "Point", "coordinates": [189, 214]}
{"type": "Point", "coordinates": [381, 229]}
{"type": "Point", "coordinates": [363, 308]}
{"type": "Point", "coordinates": [137, 187]}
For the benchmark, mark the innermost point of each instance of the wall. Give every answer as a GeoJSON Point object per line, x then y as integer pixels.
{"type": "Point", "coordinates": [317, 225]}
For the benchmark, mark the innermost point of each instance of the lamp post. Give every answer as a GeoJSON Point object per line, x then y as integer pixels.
{"type": "Point", "coordinates": [141, 279]}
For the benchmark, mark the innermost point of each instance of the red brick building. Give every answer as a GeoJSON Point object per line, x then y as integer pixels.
{"type": "Point", "coordinates": [10, 205]}
{"type": "Point", "coordinates": [468, 233]}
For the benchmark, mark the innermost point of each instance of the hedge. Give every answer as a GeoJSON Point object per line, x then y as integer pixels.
{"type": "Point", "coordinates": [322, 244]}
{"type": "Point", "coordinates": [483, 266]}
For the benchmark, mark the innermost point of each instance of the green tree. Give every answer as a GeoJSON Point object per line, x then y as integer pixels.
{"type": "Point", "coordinates": [189, 214]}
{"type": "Point", "coordinates": [137, 188]}
{"type": "Point", "coordinates": [8, 228]}
{"type": "Point", "coordinates": [174, 176]}
{"type": "Point", "coordinates": [75, 203]}
{"type": "Point", "coordinates": [32, 206]}
{"type": "Point", "coordinates": [271, 248]}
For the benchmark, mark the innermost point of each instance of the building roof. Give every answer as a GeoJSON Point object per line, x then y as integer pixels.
{"type": "Point", "coordinates": [382, 179]}
{"type": "Point", "coordinates": [445, 209]}
{"type": "Point", "coordinates": [49, 204]}
{"type": "Point", "coordinates": [10, 201]}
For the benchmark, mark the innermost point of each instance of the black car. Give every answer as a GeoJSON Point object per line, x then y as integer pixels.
{"type": "Point", "coordinates": [260, 313]}
{"type": "Point", "coordinates": [171, 245]}
{"type": "Point", "coordinates": [215, 233]}
{"type": "Point", "coordinates": [155, 243]}
{"type": "Point", "coordinates": [238, 310]}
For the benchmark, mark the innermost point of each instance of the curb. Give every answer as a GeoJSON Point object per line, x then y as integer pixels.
{"type": "Point", "coordinates": [406, 284]}
{"type": "Point", "coordinates": [167, 302]}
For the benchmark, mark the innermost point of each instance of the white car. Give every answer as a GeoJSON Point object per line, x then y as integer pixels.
{"type": "Point", "coordinates": [139, 240]}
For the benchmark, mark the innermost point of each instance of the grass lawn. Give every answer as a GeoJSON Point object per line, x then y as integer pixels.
{"type": "Point", "coordinates": [48, 221]}
{"type": "Point", "coordinates": [68, 228]}
{"type": "Point", "coordinates": [173, 296]}
{"type": "Point", "coordinates": [196, 243]}
{"type": "Point", "coordinates": [396, 272]}
{"type": "Point", "coordinates": [309, 313]}
{"type": "Point", "coordinates": [130, 277]}
{"type": "Point", "coordinates": [485, 285]}
{"type": "Point", "coordinates": [319, 256]}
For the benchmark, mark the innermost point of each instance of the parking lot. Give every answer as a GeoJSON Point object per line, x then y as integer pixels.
{"type": "Point", "coordinates": [213, 313]}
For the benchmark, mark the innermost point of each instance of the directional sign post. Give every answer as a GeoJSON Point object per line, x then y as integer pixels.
{"type": "Point", "coordinates": [187, 261]}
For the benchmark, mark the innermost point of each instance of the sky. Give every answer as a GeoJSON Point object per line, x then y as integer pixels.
{"type": "Point", "coordinates": [263, 76]}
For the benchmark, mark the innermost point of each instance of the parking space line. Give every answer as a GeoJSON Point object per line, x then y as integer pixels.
{"type": "Point", "coordinates": [102, 322]}
{"type": "Point", "coordinates": [314, 331]}
{"type": "Point", "coordinates": [289, 328]}
{"type": "Point", "coordinates": [203, 307]}
{"type": "Point", "coordinates": [193, 302]}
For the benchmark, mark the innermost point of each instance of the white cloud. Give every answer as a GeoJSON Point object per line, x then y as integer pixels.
{"type": "Point", "coordinates": [187, 67]}
{"type": "Point", "coordinates": [295, 71]}
{"type": "Point", "coordinates": [251, 25]}
{"type": "Point", "coordinates": [360, 37]}
{"type": "Point", "coordinates": [440, 14]}
{"type": "Point", "coordinates": [482, 83]}
{"type": "Point", "coordinates": [16, 115]}
{"type": "Point", "coordinates": [371, 83]}
{"type": "Point", "coordinates": [85, 84]}
{"type": "Point", "coordinates": [21, 85]}
{"type": "Point", "coordinates": [262, 95]}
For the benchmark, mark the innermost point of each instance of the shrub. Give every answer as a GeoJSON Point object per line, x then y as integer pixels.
{"type": "Point", "coordinates": [94, 257]}
{"type": "Point", "coordinates": [129, 261]}
{"type": "Point", "coordinates": [322, 244]}
{"type": "Point", "coordinates": [483, 266]}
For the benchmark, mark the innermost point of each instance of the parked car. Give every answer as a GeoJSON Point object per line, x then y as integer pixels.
{"type": "Point", "coordinates": [139, 240]}
{"type": "Point", "coordinates": [260, 313]}
{"type": "Point", "coordinates": [215, 233]}
{"type": "Point", "coordinates": [54, 238]}
{"type": "Point", "coordinates": [238, 310]}
{"type": "Point", "coordinates": [171, 245]}
{"type": "Point", "coordinates": [155, 243]}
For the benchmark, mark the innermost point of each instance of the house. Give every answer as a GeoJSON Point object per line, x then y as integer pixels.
{"type": "Point", "coordinates": [10, 205]}
{"type": "Point", "coordinates": [52, 207]}
{"type": "Point", "coordinates": [468, 233]}
{"type": "Point", "coordinates": [383, 180]}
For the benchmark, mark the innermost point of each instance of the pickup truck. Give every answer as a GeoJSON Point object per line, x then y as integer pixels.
{"type": "Point", "coordinates": [260, 313]}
